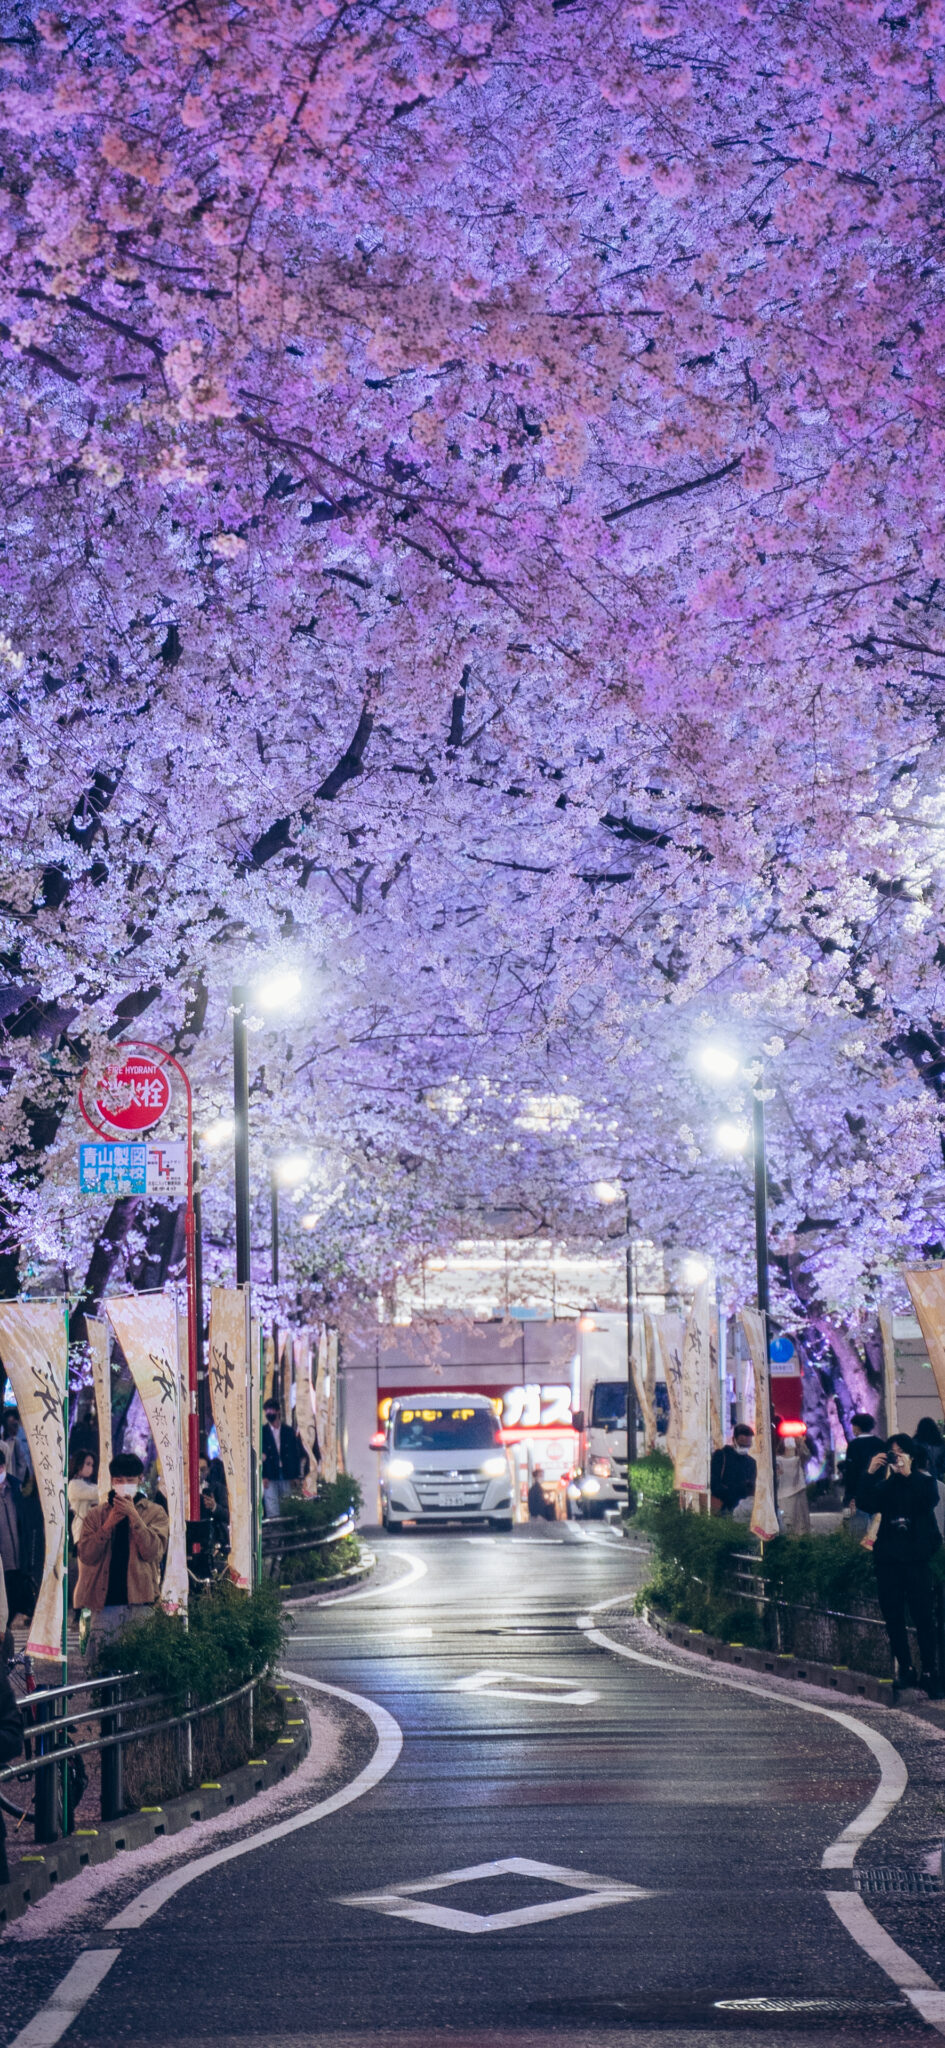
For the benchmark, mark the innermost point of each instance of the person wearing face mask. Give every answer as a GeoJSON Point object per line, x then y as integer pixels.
{"type": "Point", "coordinates": [120, 1548]}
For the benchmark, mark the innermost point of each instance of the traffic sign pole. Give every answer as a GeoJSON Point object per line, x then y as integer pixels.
{"type": "Point", "coordinates": [167, 1059]}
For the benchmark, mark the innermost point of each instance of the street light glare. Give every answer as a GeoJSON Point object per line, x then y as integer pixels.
{"type": "Point", "coordinates": [219, 1132]}
{"type": "Point", "coordinates": [694, 1271]}
{"type": "Point", "coordinates": [606, 1191]}
{"type": "Point", "coordinates": [292, 1169]}
{"type": "Point", "coordinates": [731, 1137]}
{"type": "Point", "coordinates": [278, 990]}
{"type": "Point", "coordinates": [718, 1062]}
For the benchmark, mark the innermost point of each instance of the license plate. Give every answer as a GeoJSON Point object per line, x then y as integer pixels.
{"type": "Point", "coordinates": [452, 1500]}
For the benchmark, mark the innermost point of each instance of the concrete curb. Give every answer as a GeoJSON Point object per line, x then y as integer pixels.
{"type": "Point", "coordinates": [830, 1677]}
{"type": "Point", "coordinates": [53, 1863]}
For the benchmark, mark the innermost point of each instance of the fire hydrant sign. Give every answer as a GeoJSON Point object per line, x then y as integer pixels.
{"type": "Point", "coordinates": [156, 1170]}
{"type": "Point", "coordinates": [133, 1096]}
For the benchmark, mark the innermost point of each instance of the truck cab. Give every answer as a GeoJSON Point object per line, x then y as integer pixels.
{"type": "Point", "coordinates": [600, 1487]}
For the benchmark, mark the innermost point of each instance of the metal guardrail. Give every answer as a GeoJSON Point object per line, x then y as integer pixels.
{"type": "Point", "coordinates": [286, 1536]}
{"type": "Point", "coordinates": [50, 1751]}
{"type": "Point", "coordinates": [836, 1627]}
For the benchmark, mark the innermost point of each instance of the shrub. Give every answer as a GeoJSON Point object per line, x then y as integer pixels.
{"type": "Point", "coordinates": [324, 1562]}
{"type": "Point", "coordinates": [651, 1478]}
{"type": "Point", "coordinates": [228, 1637]}
{"type": "Point", "coordinates": [335, 1498]}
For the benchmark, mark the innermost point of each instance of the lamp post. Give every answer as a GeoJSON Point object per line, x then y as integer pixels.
{"type": "Point", "coordinates": [241, 1136]}
{"type": "Point", "coordinates": [722, 1065]}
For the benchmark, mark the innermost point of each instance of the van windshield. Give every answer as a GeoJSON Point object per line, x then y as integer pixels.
{"type": "Point", "coordinates": [445, 1429]}
{"type": "Point", "coordinates": [609, 1407]}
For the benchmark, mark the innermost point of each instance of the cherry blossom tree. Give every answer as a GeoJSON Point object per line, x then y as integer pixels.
{"type": "Point", "coordinates": [471, 501]}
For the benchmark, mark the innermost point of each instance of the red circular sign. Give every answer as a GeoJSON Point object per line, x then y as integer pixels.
{"type": "Point", "coordinates": [134, 1096]}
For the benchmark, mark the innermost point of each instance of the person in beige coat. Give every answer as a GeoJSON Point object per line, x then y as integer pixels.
{"type": "Point", "coordinates": [793, 1504]}
{"type": "Point", "coordinates": [121, 1546]}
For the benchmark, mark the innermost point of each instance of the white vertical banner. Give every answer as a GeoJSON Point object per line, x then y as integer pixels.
{"type": "Point", "coordinates": [926, 1285]}
{"type": "Point", "coordinates": [146, 1328]}
{"type": "Point", "coordinates": [305, 1411]}
{"type": "Point", "coordinates": [100, 1345]}
{"type": "Point", "coordinates": [641, 1365]}
{"type": "Point", "coordinates": [764, 1519]}
{"type": "Point", "coordinates": [326, 1400]}
{"type": "Point", "coordinates": [670, 1336]}
{"type": "Point", "coordinates": [717, 1378]}
{"type": "Point", "coordinates": [231, 1388]}
{"type": "Point", "coordinates": [34, 1349]}
{"type": "Point", "coordinates": [693, 1448]}
{"type": "Point", "coordinates": [890, 1388]}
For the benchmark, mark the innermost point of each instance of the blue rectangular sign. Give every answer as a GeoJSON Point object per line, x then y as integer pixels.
{"type": "Point", "coordinates": [113, 1169]}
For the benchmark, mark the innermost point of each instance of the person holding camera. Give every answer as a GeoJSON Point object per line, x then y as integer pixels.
{"type": "Point", "coordinates": [120, 1547]}
{"type": "Point", "coordinates": [900, 1494]}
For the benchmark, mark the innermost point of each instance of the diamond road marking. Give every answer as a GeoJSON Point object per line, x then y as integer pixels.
{"type": "Point", "coordinates": [507, 1685]}
{"type": "Point", "coordinates": [401, 1901]}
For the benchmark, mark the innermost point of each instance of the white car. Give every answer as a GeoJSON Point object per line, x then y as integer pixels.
{"type": "Point", "coordinates": [444, 1461]}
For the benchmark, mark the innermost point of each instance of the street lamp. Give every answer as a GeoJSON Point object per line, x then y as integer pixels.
{"type": "Point", "coordinates": [721, 1064]}
{"type": "Point", "coordinates": [275, 991]}
{"type": "Point", "coordinates": [287, 1172]}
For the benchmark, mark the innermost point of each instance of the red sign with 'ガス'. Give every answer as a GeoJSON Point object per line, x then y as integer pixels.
{"type": "Point", "coordinates": [134, 1096]}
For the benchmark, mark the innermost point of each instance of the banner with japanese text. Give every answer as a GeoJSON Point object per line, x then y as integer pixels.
{"type": "Point", "coordinates": [305, 1412]}
{"type": "Point", "coordinates": [326, 1402]}
{"type": "Point", "coordinates": [231, 1380]}
{"type": "Point", "coordinates": [146, 1328]}
{"type": "Point", "coordinates": [692, 1444]}
{"type": "Point", "coordinates": [764, 1518]}
{"type": "Point", "coordinates": [34, 1350]}
{"type": "Point", "coordinates": [926, 1285]}
{"type": "Point", "coordinates": [100, 1345]}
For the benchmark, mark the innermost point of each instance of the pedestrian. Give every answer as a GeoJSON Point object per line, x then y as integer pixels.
{"type": "Point", "coordinates": [120, 1550]}
{"type": "Point", "coordinates": [20, 1587]}
{"type": "Point", "coordinates": [540, 1508]}
{"type": "Point", "coordinates": [928, 1434]}
{"type": "Point", "coordinates": [11, 1746]}
{"type": "Point", "coordinates": [900, 1494]}
{"type": "Point", "coordinates": [81, 1492]}
{"type": "Point", "coordinates": [19, 1463]}
{"type": "Point", "coordinates": [861, 1447]}
{"type": "Point", "coordinates": [793, 1504]}
{"type": "Point", "coordinates": [733, 1471]}
{"type": "Point", "coordinates": [281, 1459]}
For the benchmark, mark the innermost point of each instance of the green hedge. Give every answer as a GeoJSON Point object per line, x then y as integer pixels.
{"type": "Point", "coordinates": [693, 1563]}
{"type": "Point", "coordinates": [651, 1478]}
{"type": "Point", "coordinates": [335, 1497]}
{"type": "Point", "coordinates": [228, 1637]}
{"type": "Point", "coordinates": [324, 1562]}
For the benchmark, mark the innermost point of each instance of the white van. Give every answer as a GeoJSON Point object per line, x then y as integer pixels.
{"type": "Point", "coordinates": [444, 1460]}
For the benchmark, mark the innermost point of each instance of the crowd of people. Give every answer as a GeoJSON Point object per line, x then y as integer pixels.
{"type": "Point", "coordinates": [118, 1545]}
{"type": "Point", "coordinates": [893, 1504]}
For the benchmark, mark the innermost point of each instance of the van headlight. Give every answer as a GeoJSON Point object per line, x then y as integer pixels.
{"type": "Point", "coordinates": [494, 1468]}
{"type": "Point", "coordinates": [400, 1468]}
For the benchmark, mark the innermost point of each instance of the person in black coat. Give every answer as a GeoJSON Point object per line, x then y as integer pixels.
{"type": "Point", "coordinates": [902, 1492]}
{"type": "Point", "coordinates": [282, 1453]}
{"type": "Point", "coordinates": [733, 1471]}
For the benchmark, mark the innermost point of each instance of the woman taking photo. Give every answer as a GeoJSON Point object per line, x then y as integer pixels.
{"type": "Point", "coordinates": [901, 1494]}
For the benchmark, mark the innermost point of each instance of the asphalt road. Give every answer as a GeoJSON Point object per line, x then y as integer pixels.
{"type": "Point", "coordinates": [661, 1841]}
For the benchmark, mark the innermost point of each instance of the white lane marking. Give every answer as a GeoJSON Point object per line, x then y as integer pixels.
{"type": "Point", "coordinates": [908, 1975]}
{"type": "Point", "coordinates": [416, 1570]}
{"type": "Point", "coordinates": [893, 1777]}
{"type": "Point", "coordinates": [389, 1745]}
{"type": "Point", "coordinates": [480, 1539]}
{"type": "Point", "coordinates": [401, 1901]}
{"type": "Point", "coordinates": [49, 2024]}
{"type": "Point", "coordinates": [510, 1685]}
